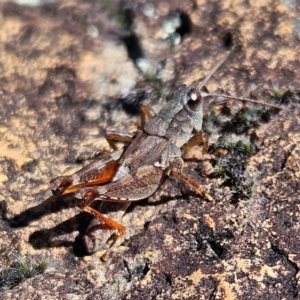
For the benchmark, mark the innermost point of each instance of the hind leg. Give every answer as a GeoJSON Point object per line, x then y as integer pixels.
{"type": "Point", "coordinates": [97, 172]}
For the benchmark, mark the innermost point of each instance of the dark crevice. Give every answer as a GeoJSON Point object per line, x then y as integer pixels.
{"type": "Point", "coordinates": [146, 269]}
{"type": "Point", "coordinates": [127, 18]}
{"type": "Point", "coordinates": [168, 279]}
{"type": "Point", "coordinates": [146, 225]}
{"type": "Point", "coordinates": [284, 161]}
{"type": "Point", "coordinates": [133, 46]}
{"type": "Point", "coordinates": [185, 24]}
{"type": "Point", "coordinates": [218, 249]}
{"type": "Point", "coordinates": [292, 264]}
{"type": "Point", "coordinates": [3, 210]}
{"type": "Point", "coordinates": [214, 291]}
{"type": "Point", "coordinates": [287, 155]}
{"type": "Point", "coordinates": [228, 40]}
{"type": "Point", "coordinates": [131, 40]}
{"type": "Point", "coordinates": [128, 270]}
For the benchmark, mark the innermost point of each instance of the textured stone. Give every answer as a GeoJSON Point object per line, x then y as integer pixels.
{"type": "Point", "coordinates": [65, 69]}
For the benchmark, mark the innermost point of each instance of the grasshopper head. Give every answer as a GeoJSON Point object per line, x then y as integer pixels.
{"type": "Point", "coordinates": [192, 102]}
{"type": "Point", "coordinates": [180, 116]}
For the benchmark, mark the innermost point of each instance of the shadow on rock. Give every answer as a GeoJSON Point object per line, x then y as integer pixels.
{"type": "Point", "coordinates": [51, 205]}
{"type": "Point", "coordinates": [62, 235]}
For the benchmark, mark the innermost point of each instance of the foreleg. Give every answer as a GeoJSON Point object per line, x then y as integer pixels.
{"type": "Point", "coordinates": [147, 113]}
{"type": "Point", "coordinates": [197, 139]}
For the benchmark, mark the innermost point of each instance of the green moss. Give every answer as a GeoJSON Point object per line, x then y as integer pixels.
{"type": "Point", "coordinates": [21, 269]}
{"type": "Point", "coordinates": [248, 149]}
{"type": "Point", "coordinates": [232, 165]}
{"type": "Point", "coordinates": [286, 97]}
{"type": "Point", "coordinates": [219, 169]}
{"type": "Point", "coordinates": [277, 92]}
{"type": "Point", "coordinates": [213, 113]}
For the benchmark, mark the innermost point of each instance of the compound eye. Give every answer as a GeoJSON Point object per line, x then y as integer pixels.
{"type": "Point", "coordinates": [194, 99]}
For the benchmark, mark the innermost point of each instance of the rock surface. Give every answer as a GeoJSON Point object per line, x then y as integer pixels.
{"type": "Point", "coordinates": [69, 71]}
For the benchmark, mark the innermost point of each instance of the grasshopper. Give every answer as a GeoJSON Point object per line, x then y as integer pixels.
{"type": "Point", "coordinates": [155, 151]}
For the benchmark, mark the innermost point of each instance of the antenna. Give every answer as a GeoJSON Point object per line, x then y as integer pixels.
{"type": "Point", "coordinates": [212, 71]}
{"type": "Point", "coordinates": [242, 99]}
